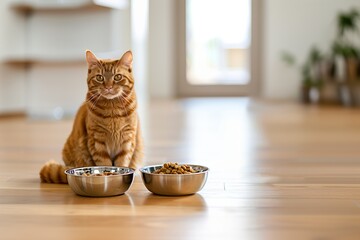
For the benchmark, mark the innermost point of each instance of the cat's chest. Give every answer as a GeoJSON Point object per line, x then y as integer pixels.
{"type": "Point", "coordinates": [113, 149]}
{"type": "Point", "coordinates": [114, 140]}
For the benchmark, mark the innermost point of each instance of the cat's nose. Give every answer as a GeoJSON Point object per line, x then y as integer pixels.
{"type": "Point", "coordinates": [108, 87]}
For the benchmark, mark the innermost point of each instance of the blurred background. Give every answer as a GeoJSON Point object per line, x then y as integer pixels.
{"type": "Point", "coordinates": [300, 50]}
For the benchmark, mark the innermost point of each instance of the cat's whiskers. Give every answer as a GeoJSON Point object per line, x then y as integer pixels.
{"type": "Point", "coordinates": [126, 100]}
{"type": "Point", "coordinates": [92, 98]}
{"type": "Point", "coordinates": [93, 91]}
{"type": "Point", "coordinates": [100, 95]}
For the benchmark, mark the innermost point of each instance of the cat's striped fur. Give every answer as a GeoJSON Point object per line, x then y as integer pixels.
{"type": "Point", "coordinates": [106, 129]}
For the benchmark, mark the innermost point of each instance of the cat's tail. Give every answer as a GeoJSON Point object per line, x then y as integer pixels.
{"type": "Point", "coordinates": [53, 172]}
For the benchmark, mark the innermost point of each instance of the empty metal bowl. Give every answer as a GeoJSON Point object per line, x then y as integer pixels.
{"type": "Point", "coordinates": [174, 184]}
{"type": "Point", "coordinates": [100, 186]}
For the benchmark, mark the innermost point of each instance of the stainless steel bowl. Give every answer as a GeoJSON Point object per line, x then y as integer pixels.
{"type": "Point", "coordinates": [174, 184]}
{"type": "Point", "coordinates": [100, 186]}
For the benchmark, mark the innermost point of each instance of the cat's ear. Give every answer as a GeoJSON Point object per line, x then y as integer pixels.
{"type": "Point", "coordinates": [91, 59]}
{"type": "Point", "coordinates": [126, 60]}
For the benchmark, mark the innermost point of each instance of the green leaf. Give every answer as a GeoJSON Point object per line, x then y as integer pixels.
{"type": "Point", "coordinates": [315, 55]}
{"type": "Point", "coordinates": [288, 58]}
{"type": "Point", "coordinates": [347, 22]}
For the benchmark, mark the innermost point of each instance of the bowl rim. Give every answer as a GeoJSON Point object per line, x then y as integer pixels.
{"type": "Point", "coordinates": [117, 175]}
{"type": "Point", "coordinates": [206, 170]}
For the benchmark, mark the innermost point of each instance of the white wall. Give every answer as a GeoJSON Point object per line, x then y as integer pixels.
{"type": "Point", "coordinates": [12, 78]}
{"type": "Point", "coordinates": [55, 87]}
{"type": "Point", "coordinates": [59, 33]}
{"type": "Point", "coordinates": [295, 26]}
{"type": "Point", "coordinates": [162, 48]}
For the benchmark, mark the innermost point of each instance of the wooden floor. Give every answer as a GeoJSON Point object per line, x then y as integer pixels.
{"type": "Point", "coordinates": [277, 171]}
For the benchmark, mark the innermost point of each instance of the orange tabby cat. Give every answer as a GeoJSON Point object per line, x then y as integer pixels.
{"type": "Point", "coordinates": [106, 129]}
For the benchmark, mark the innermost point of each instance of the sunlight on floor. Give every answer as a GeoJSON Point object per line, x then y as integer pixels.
{"type": "Point", "coordinates": [218, 131]}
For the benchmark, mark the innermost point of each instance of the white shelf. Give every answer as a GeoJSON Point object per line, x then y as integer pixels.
{"type": "Point", "coordinates": [30, 5]}
{"type": "Point", "coordinates": [56, 58]}
{"type": "Point", "coordinates": [36, 58]}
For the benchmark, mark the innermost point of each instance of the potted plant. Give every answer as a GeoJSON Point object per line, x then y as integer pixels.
{"type": "Point", "coordinates": [310, 75]}
{"type": "Point", "coordinates": [319, 72]}
{"type": "Point", "coordinates": [346, 56]}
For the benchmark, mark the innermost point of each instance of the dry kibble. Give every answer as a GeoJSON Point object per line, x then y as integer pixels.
{"type": "Point", "coordinates": [174, 168]}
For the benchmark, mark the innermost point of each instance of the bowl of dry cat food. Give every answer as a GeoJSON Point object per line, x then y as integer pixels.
{"type": "Point", "coordinates": [100, 181]}
{"type": "Point", "coordinates": [173, 179]}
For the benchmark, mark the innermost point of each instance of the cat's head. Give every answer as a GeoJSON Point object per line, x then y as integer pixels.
{"type": "Point", "coordinates": [110, 78]}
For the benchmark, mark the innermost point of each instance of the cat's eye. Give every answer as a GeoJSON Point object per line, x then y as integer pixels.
{"type": "Point", "coordinates": [99, 78]}
{"type": "Point", "coordinates": [118, 77]}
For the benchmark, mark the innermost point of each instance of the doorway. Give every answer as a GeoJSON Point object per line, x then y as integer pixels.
{"type": "Point", "coordinates": [219, 47]}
